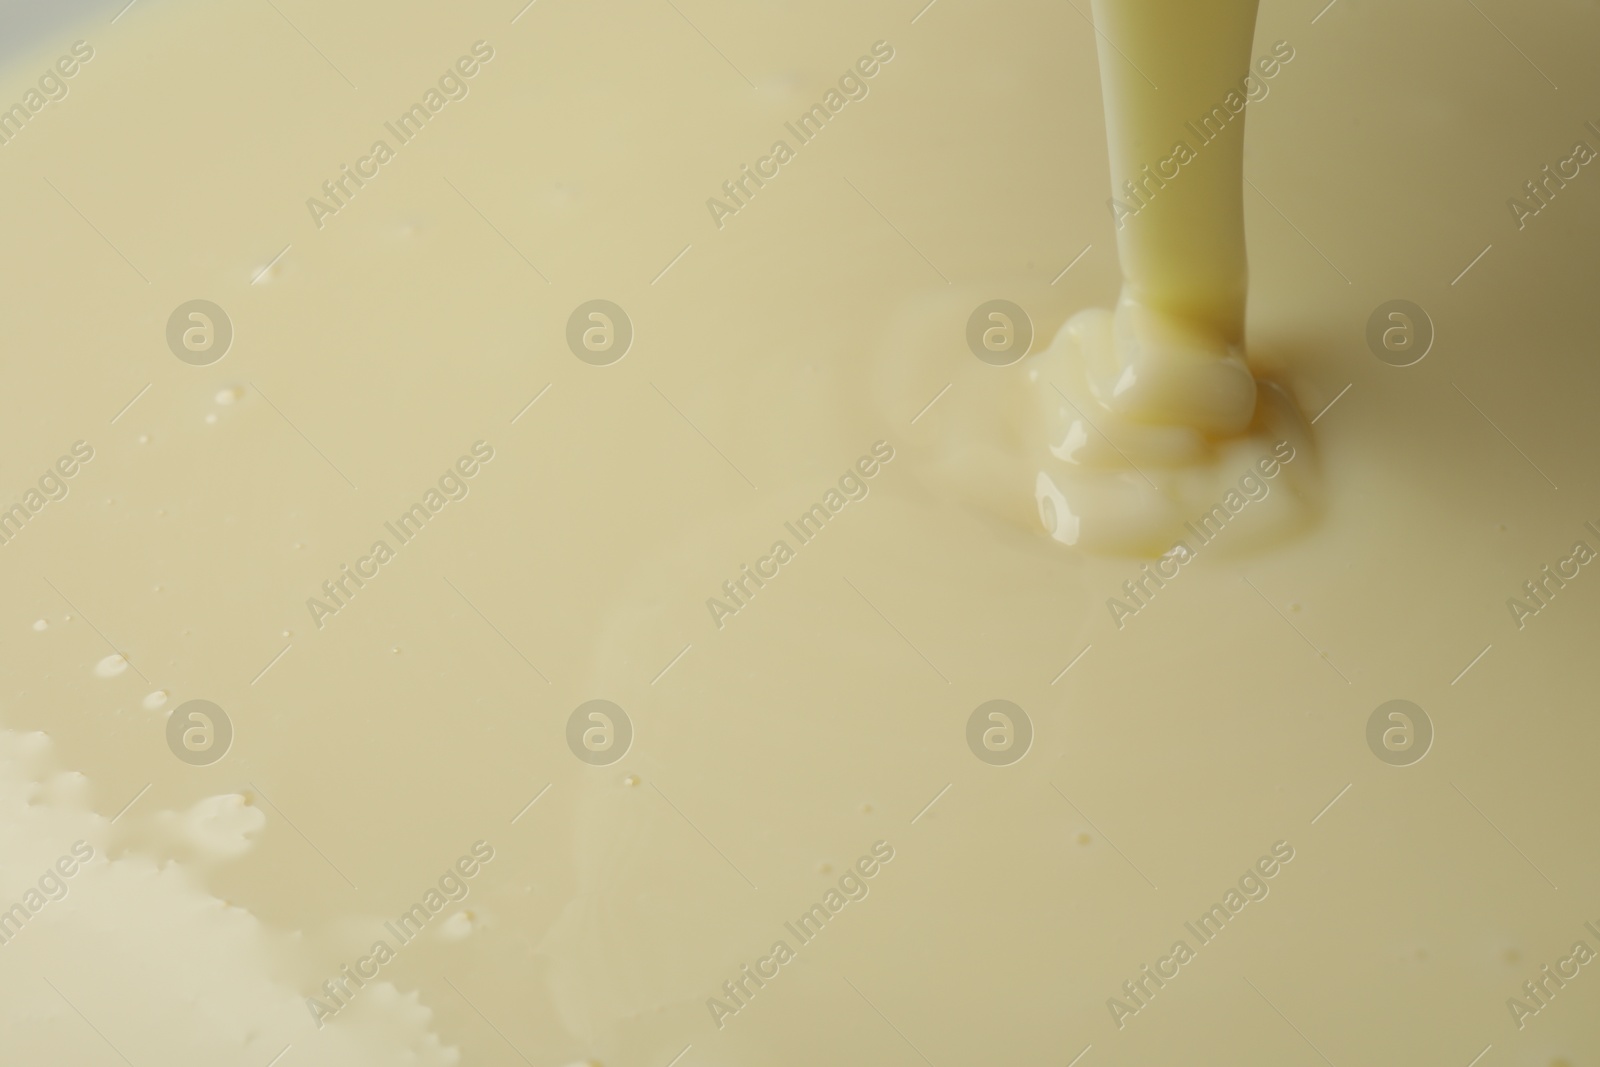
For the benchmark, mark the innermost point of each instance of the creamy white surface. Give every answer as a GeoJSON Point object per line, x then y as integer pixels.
{"type": "Point", "coordinates": [807, 728]}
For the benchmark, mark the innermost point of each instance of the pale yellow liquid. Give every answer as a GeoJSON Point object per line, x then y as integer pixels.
{"type": "Point", "coordinates": [827, 713]}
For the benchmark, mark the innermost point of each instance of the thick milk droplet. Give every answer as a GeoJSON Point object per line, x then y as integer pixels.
{"type": "Point", "coordinates": [154, 700]}
{"type": "Point", "coordinates": [457, 927]}
{"type": "Point", "coordinates": [41, 624]}
{"type": "Point", "coordinates": [111, 666]}
{"type": "Point", "coordinates": [231, 395]}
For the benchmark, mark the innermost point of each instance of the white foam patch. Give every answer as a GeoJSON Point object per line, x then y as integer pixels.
{"type": "Point", "coordinates": [164, 970]}
{"type": "Point", "coordinates": [219, 827]}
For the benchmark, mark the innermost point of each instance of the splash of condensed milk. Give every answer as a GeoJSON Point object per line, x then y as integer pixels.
{"type": "Point", "coordinates": [1146, 408]}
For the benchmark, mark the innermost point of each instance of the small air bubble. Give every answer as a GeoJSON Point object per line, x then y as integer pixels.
{"type": "Point", "coordinates": [231, 395]}
{"type": "Point", "coordinates": [211, 418]}
{"type": "Point", "coordinates": [144, 439]}
{"type": "Point", "coordinates": [154, 700]}
{"type": "Point", "coordinates": [111, 666]}
{"type": "Point", "coordinates": [41, 624]}
{"type": "Point", "coordinates": [632, 779]}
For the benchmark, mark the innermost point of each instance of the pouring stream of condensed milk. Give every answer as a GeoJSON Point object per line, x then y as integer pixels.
{"type": "Point", "coordinates": [1150, 412]}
